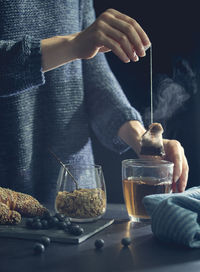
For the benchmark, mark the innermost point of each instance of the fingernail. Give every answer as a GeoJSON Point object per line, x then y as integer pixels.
{"type": "Point", "coordinates": [176, 178]}
{"type": "Point", "coordinates": [136, 59]}
{"type": "Point", "coordinates": [127, 60]}
{"type": "Point", "coordinates": [146, 47]}
{"type": "Point", "coordinates": [142, 52]}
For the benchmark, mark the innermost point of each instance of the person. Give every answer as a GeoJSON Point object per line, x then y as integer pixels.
{"type": "Point", "coordinates": [56, 85]}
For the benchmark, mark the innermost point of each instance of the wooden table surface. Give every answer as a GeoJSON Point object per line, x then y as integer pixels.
{"type": "Point", "coordinates": [144, 254]}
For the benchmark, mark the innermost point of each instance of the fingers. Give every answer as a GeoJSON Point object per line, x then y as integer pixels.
{"type": "Point", "coordinates": [177, 160]}
{"type": "Point", "coordinates": [181, 169]}
{"type": "Point", "coordinates": [123, 40]}
{"type": "Point", "coordinates": [114, 46]}
{"type": "Point", "coordinates": [175, 153]}
{"type": "Point", "coordinates": [128, 34]}
{"type": "Point", "coordinates": [130, 21]}
{"type": "Point", "coordinates": [182, 182]}
{"type": "Point", "coordinates": [119, 30]}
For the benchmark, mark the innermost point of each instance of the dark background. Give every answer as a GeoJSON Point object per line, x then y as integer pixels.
{"type": "Point", "coordinates": [174, 30]}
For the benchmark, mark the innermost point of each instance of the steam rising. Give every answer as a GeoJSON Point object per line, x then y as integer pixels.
{"type": "Point", "coordinates": [170, 94]}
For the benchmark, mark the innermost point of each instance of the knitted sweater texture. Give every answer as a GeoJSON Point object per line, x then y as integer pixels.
{"type": "Point", "coordinates": [56, 109]}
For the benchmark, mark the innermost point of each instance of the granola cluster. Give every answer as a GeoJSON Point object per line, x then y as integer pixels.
{"type": "Point", "coordinates": [81, 203]}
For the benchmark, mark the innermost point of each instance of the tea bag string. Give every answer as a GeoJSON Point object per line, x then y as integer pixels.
{"type": "Point", "coordinates": [64, 166]}
{"type": "Point", "coordinates": [151, 84]}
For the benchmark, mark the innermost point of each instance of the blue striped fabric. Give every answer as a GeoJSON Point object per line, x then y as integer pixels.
{"type": "Point", "coordinates": [175, 217]}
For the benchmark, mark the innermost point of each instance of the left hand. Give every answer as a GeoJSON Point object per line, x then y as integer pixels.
{"type": "Point", "coordinates": [131, 133]}
{"type": "Point", "coordinates": [174, 152]}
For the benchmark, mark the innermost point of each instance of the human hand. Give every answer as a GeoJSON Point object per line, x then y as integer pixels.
{"type": "Point", "coordinates": [174, 152]}
{"type": "Point", "coordinates": [112, 31]}
{"type": "Point", "coordinates": [131, 133]}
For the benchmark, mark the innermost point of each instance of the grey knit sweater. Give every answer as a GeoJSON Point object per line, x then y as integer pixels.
{"type": "Point", "coordinates": [53, 110]}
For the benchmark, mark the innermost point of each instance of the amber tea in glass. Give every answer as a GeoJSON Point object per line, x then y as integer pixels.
{"type": "Point", "coordinates": [141, 178]}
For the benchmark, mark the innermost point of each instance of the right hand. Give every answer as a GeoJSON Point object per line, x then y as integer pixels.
{"type": "Point", "coordinates": [112, 31]}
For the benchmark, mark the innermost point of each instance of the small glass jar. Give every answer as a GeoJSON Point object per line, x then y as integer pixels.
{"type": "Point", "coordinates": [81, 192]}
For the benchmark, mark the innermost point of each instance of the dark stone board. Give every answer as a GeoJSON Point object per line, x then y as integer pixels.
{"type": "Point", "coordinates": [21, 232]}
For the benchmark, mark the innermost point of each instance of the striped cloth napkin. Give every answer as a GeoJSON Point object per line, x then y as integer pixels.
{"type": "Point", "coordinates": [176, 217]}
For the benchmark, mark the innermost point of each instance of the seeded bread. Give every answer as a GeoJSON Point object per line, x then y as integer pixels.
{"type": "Point", "coordinates": [13, 205]}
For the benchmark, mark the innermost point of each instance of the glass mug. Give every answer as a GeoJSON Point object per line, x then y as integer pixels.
{"type": "Point", "coordinates": [141, 178]}
{"type": "Point", "coordinates": [81, 192]}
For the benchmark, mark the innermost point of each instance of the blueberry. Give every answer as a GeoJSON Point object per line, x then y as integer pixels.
{"type": "Point", "coordinates": [71, 226]}
{"type": "Point", "coordinates": [67, 219]}
{"type": "Point", "coordinates": [49, 219]}
{"type": "Point", "coordinates": [39, 248]}
{"type": "Point", "coordinates": [53, 221]}
{"type": "Point", "coordinates": [29, 222]}
{"type": "Point", "coordinates": [99, 243]}
{"type": "Point", "coordinates": [68, 224]}
{"type": "Point", "coordinates": [47, 216]}
{"type": "Point", "coordinates": [36, 219]}
{"type": "Point", "coordinates": [80, 231]}
{"type": "Point", "coordinates": [61, 217]}
{"type": "Point", "coordinates": [45, 241]}
{"type": "Point", "coordinates": [45, 224]}
{"type": "Point", "coordinates": [126, 241]}
{"type": "Point", "coordinates": [76, 230]}
{"type": "Point", "coordinates": [62, 225]}
{"type": "Point", "coordinates": [37, 225]}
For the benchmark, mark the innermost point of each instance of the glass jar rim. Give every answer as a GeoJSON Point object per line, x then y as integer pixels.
{"type": "Point", "coordinates": [146, 163]}
{"type": "Point", "coordinates": [83, 165]}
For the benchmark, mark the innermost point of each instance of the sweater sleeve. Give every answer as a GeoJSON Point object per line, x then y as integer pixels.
{"type": "Point", "coordinates": [20, 65]}
{"type": "Point", "coordinates": [107, 105]}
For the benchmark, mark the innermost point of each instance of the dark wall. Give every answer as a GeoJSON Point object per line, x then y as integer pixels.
{"type": "Point", "coordinates": [175, 34]}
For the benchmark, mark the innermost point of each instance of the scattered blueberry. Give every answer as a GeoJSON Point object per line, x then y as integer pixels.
{"type": "Point", "coordinates": [58, 221]}
{"type": "Point", "coordinates": [45, 241]}
{"type": "Point", "coordinates": [80, 231]}
{"type": "Point", "coordinates": [45, 224]}
{"type": "Point", "coordinates": [39, 248]}
{"type": "Point", "coordinates": [62, 225]}
{"type": "Point", "coordinates": [75, 230]}
{"type": "Point", "coordinates": [126, 241]}
{"type": "Point", "coordinates": [68, 224]}
{"type": "Point", "coordinates": [53, 221]}
{"type": "Point", "coordinates": [36, 219]}
{"type": "Point", "coordinates": [37, 225]}
{"type": "Point", "coordinates": [29, 222]}
{"type": "Point", "coordinates": [67, 220]}
{"type": "Point", "coordinates": [46, 216]}
{"type": "Point", "coordinates": [99, 243]}
{"type": "Point", "coordinates": [61, 217]}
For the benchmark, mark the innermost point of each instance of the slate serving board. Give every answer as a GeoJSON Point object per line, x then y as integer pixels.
{"type": "Point", "coordinates": [20, 231]}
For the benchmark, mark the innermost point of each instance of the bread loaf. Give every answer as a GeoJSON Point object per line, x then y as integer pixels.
{"type": "Point", "coordinates": [13, 205]}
